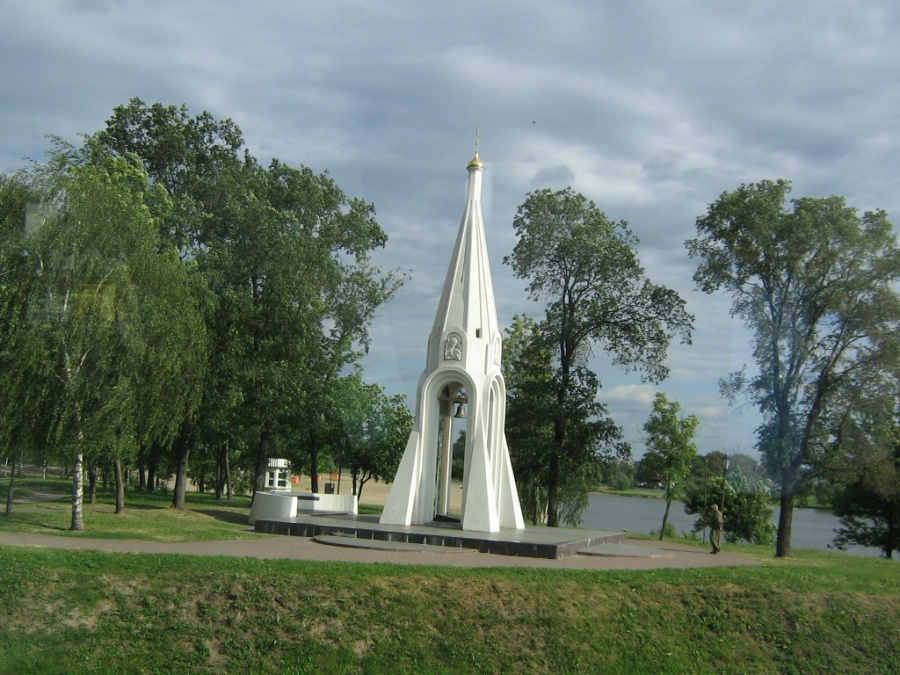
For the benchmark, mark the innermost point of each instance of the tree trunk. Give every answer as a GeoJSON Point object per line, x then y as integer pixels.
{"type": "Point", "coordinates": [662, 530]}
{"type": "Point", "coordinates": [120, 487]}
{"type": "Point", "coordinates": [553, 490]}
{"type": "Point", "coordinates": [262, 460]}
{"type": "Point", "coordinates": [182, 452]}
{"type": "Point", "coordinates": [92, 482]}
{"type": "Point", "coordinates": [151, 477]}
{"type": "Point", "coordinates": [785, 519]}
{"type": "Point", "coordinates": [891, 519]}
{"type": "Point", "coordinates": [78, 493]}
{"type": "Point", "coordinates": [559, 440]}
{"type": "Point", "coordinates": [559, 425]}
{"type": "Point", "coordinates": [314, 463]}
{"type": "Point", "coordinates": [223, 472]}
{"type": "Point", "coordinates": [219, 480]}
{"type": "Point", "coordinates": [142, 479]}
{"type": "Point", "coordinates": [227, 473]}
{"type": "Point", "coordinates": [9, 490]}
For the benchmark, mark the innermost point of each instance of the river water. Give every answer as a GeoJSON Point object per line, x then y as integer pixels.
{"type": "Point", "coordinates": [812, 528]}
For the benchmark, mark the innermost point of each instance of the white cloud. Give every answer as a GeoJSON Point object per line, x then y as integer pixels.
{"type": "Point", "coordinates": [632, 393]}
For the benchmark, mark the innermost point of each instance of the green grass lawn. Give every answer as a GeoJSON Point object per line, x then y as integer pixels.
{"type": "Point", "coordinates": [148, 516]}
{"type": "Point", "coordinates": [85, 612]}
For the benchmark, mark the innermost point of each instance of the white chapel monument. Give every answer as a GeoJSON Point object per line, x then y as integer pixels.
{"type": "Point", "coordinates": [462, 377]}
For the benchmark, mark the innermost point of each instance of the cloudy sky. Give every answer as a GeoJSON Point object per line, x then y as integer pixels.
{"type": "Point", "coordinates": [651, 109]}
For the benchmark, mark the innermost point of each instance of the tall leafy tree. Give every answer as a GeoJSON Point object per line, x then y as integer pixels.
{"type": "Point", "coordinates": [669, 437]}
{"type": "Point", "coordinates": [185, 155]}
{"type": "Point", "coordinates": [374, 430]}
{"type": "Point", "coordinates": [300, 292]}
{"type": "Point", "coordinates": [816, 284]}
{"type": "Point", "coordinates": [586, 268]}
{"type": "Point", "coordinates": [528, 372]}
{"type": "Point", "coordinates": [111, 335]}
{"type": "Point", "coordinates": [285, 257]}
{"type": "Point", "coordinates": [532, 405]}
{"type": "Point", "coordinates": [190, 158]}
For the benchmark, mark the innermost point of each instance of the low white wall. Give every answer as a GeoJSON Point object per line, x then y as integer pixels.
{"type": "Point", "coordinates": [273, 506]}
{"type": "Point", "coordinates": [285, 505]}
{"type": "Point", "coordinates": [341, 503]}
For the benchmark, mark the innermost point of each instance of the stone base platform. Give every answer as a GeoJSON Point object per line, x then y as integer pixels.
{"type": "Point", "coordinates": [538, 542]}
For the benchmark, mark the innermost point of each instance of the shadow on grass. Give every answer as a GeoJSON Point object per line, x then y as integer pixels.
{"type": "Point", "coordinates": [144, 506]}
{"type": "Point", "coordinates": [233, 517]}
{"type": "Point", "coordinates": [36, 522]}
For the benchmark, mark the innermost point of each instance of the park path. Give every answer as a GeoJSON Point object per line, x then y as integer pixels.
{"type": "Point", "coordinates": [637, 555]}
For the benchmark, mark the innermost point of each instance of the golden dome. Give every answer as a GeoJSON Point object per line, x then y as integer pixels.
{"type": "Point", "coordinates": [476, 162]}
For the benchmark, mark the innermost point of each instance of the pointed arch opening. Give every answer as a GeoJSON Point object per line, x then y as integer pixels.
{"type": "Point", "coordinates": [453, 411]}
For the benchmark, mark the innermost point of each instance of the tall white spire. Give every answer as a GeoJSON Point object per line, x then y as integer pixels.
{"type": "Point", "coordinates": [462, 370]}
{"type": "Point", "coordinates": [467, 300]}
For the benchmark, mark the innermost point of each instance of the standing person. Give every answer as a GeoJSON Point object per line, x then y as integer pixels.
{"type": "Point", "coordinates": [717, 524]}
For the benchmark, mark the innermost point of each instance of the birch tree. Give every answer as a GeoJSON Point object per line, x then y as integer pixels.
{"type": "Point", "coordinates": [111, 338]}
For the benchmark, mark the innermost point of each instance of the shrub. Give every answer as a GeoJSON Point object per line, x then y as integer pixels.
{"type": "Point", "coordinates": [748, 511]}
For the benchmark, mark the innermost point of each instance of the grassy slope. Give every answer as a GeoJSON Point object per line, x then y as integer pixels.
{"type": "Point", "coordinates": [79, 612]}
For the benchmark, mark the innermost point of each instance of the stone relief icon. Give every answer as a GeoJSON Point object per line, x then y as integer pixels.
{"type": "Point", "coordinates": [453, 347]}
